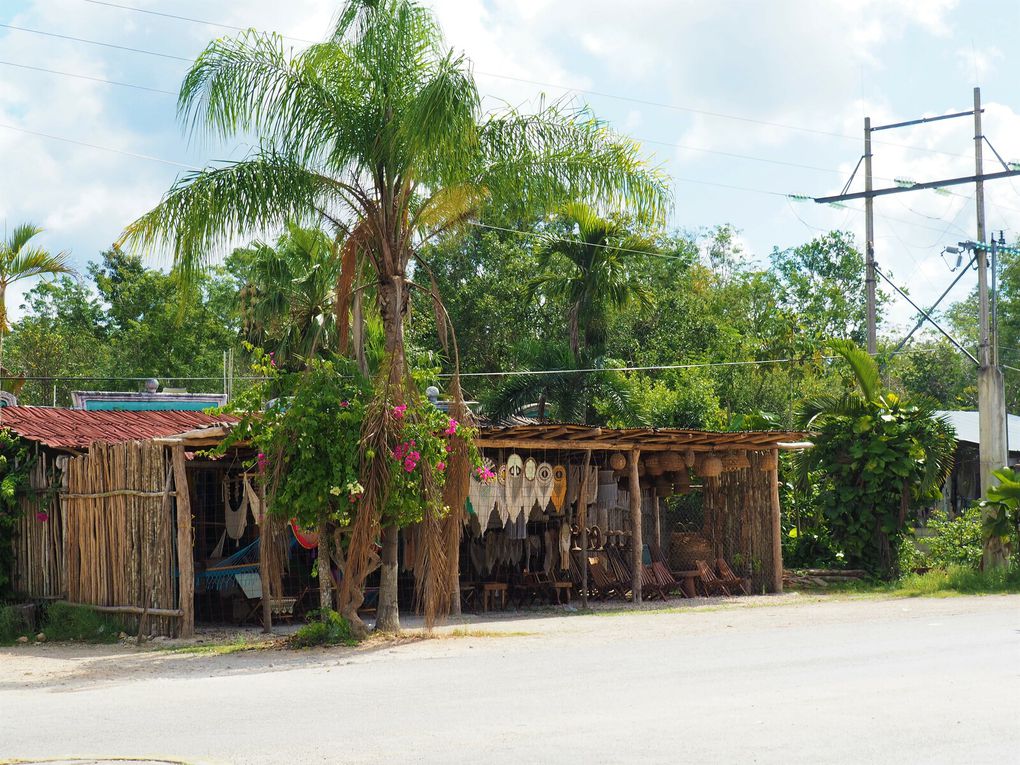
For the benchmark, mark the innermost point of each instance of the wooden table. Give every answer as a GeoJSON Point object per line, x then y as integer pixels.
{"type": "Point", "coordinates": [493, 590]}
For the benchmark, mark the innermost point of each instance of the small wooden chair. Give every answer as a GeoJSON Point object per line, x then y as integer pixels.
{"type": "Point", "coordinates": [711, 583]}
{"type": "Point", "coordinates": [730, 579]}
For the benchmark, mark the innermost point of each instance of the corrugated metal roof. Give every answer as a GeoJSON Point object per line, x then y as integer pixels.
{"type": "Point", "coordinates": [77, 428]}
{"type": "Point", "coordinates": [968, 430]}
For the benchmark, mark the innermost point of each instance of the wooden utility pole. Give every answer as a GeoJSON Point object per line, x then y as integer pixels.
{"type": "Point", "coordinates": [869, 242]}
{"type": "Point", "coordinates": [635, 526]}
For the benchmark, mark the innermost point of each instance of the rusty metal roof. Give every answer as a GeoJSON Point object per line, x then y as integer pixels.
{"type": "Point", "coordinates": [77, 428]}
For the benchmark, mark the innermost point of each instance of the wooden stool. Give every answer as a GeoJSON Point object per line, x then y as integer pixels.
{"type": "Point", "coordinates": [562, 587]}
{"type": "Point", "coordinates": [493, 590]}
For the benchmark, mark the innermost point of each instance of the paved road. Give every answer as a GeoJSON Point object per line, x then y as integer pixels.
{"type": "Point", "coordinates": [872, 681]}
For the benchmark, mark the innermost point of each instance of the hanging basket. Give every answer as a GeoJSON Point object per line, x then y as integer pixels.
{"type": "Point", "coordinates": [617, 461]}
{"type": "Point", "coordinates": [654, 466]}
{"type": "Point", "coordinates": [671, 461]}
{"type": "Point", "coordinates": [735, 461]}
{"type": "Point", "coordinates": [691, 458]}
{"type": "Point", "coordinates": [710, 466]}
{"type": "Point", "coordinates": [768, 462]}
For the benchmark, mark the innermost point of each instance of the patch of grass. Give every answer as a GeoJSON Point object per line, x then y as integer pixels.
{"type": "Point", "coordinates": [80, 623]}
{"type": "Point", "coordinates": [219, 649]}
{"type": "Point", "coordinates": [328, 628]}
{"type": "Point", "coordinates": [959, 580]}
{"type": "Point", "coordinates": [12, 626]}
{"type": "Point", "coordinates": [464, 632]}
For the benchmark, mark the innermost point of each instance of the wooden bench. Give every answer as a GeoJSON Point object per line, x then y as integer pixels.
{"type": "Point", "coordinates": [493, 591]}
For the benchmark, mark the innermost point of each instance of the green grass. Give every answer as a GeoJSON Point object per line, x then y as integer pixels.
{"type": "Point", "coordinates": [82, 624]}
{"type": "Point", "coordinates": [11, 625]}
{"type": "Point", "coordinates": [948, 582]}
{"type": "Point", "coordinates": [237, 645]}
{"type": "Point", "coordinates": [465, 632]}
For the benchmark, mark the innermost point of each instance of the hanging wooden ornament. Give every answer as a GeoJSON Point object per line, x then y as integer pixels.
{"type": "Point", "coordinates": [514, 485]}
{"type": "Point", "coordinates": [544, 484]}
{"type": "Point", "coordinates": [559, 488]}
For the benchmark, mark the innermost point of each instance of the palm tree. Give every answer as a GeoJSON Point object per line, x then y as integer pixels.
{"type": "Point", "coordinates": [19, 260]}
{"type": "Point", "coordinates": [590, 270]}
{"type": "Point", "coordinates": [377, 132]}
{"type": "Point", "coordinates": [878, 449]}
{"type": "Point", "coordinates": [287, 300]}
{"type": "Point", "coordinates": [562, 387]}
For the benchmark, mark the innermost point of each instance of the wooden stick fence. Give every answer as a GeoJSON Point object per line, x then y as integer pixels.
{"type": "Point", "coordinates": [39, 539]}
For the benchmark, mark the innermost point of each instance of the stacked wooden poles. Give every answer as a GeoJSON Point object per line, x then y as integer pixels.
{"type": "Point", "coordinates": [582, 524]}
{"type": "Point", "coordinates": [39, 570]}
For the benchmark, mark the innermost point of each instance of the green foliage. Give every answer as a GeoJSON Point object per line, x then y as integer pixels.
{"type": "Point", "coordinates": [324, 628]}
{"type": "Point", "coordinates": [309, 442]}
{"type": "Point", "coordinates": [810, 549]}
{"type": "Point", "coordinates": [956, 542]}
{"type": "Point", "coordinates": [959, 580]}
{"type": "Point", "coordinates": [12, 626]}
{"type": "Point", "coordinates": [1001, 511]}
{"type": "Point", "coordinates": [875, 457]}
{"type": "Point", "coordinates": [16, 462]}
{"type": "Point", "coordinates": [81, 624]}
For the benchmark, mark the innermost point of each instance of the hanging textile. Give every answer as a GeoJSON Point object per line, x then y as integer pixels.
{"type": "Point", "coordinates": [218, 549]}
{"type": "Point", "coordinates": [573, 483]}
{"type": "Point", "coordinates": [544, 485]}
{"type": "Point", "coordinates": [564, 546]}
{"type": "Point", "coordinates": [514, 486]}
{"type": "Point", "coordinates": [483, 495]}
{"type": "Point", "coordinates": [236, 517]}
{"type": "Point", "coordinates": [307, 539]}
{"type": "Point", "coordinates": [529, 493]}
{"type": "Point", "coordinates": [559, 490]}
{"type": "Point", "coordinates": [254, 500]}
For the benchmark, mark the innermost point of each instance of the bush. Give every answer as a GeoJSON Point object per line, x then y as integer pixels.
{"type": "Point", "coordinates": [810, 549]}
{"type": "Point", "coordinates": [324, 628]}
{"type": "Point", "coordinates": [67, 622]}
{"type": "Point", "coordinates": [12, 625]}
{"type": "Point", "coordinates": [956, 542]}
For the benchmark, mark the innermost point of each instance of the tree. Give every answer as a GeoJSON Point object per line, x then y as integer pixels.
{"type": "Point", "coordinates": [875, 457]}
{"type": "Point", "coordinates": [590, 270]}
{"type": "Point", "coordinates": [379, 132]}
{"type": "Point", "coordinates": [286, 303]}
{"type": "Point", "coordinates": [20, 260]}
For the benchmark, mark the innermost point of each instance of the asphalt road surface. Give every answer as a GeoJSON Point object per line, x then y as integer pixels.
{"type": "Point", "coordinates": [837, 681]}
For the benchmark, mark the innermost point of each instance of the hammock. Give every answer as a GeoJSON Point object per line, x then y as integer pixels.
{"type": "Point", "coordinates": [221, 576]}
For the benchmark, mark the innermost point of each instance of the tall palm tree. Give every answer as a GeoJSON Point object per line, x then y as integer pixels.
{"type": "Point", "coordinates": [378, 132]}
{"type": "Point", "coordinates": [19, 260]}
{"type": "Point", "coordinates": [590, 269]}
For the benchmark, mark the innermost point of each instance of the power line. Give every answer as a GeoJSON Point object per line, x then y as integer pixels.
{"type": "Point", "coordinates": [89, 77]}
{"type": "Point", "coordinates": [98, 147]}
{"type": "Point", "coordinates": [97, 42]}
{"type": "Point", "coordinates": [602, 94]}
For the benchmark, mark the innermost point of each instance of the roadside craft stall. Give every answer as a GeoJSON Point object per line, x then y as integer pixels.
{"type": "Point", "coordinates": [658, 511]}
{"type": "Point", "coordinates": [125, 515]}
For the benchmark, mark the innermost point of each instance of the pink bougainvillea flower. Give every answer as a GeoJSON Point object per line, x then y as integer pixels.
{"type": "Point", "coordinates": [344, 404]}
{"type": "Point", "coordinates": [399, 411]}
{"type": "Point", "coordinates": [449, 448]}
{"type": "Point", "coordinates": [409, 465]}
{"type": "Point", "coordinates": [440, 466]}
{"type": "Point", "coordinates": [451, 429]}
{"type": "Point", "coordinates": [42, 516]}
{"type": "Point", "coordinates": [263, 462]}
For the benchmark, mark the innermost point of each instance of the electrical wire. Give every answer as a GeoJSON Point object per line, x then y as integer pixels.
{"type": "Point", "coordinates": [602, 94]}
{"type": "Point", "coordinates": [97, 43]}
{"type": "Point", "coordinates": [98, 147]}
{"type": "Point", "coordinates": [90, 78]}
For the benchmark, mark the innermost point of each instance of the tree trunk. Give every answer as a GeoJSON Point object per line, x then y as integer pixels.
{"type": "Point", "coordinates": [325, 576]}
{"type": "Point", "coordinates": [388, 613]}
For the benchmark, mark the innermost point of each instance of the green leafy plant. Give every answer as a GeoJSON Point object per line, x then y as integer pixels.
{"type": "Point", "coordinates": [324, 628]}
{"type": "Point", "coordinates": [955, 542]}
{"type": "Point", "coordinates": [16, 462]}
{"type": "Point", "coordinates": [80, 623]}
{"type": "Point", "coordinates": [1001, 509]}
{"type": "Point", "coordinates": [875, 457]}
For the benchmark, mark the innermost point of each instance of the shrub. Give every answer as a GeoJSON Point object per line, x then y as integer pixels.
{"type": "Point", "coordinates": [12, 625]}
{"type": "Point", "coordinates": [324, 628]}
{"type": "Point", "coordinates": [963, 580]}
{"type": "Point", "coordinates": [956, 542]}
{"type": "Point", "coordinates": [67, 622]}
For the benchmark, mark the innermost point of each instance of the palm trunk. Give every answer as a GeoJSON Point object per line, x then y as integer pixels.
{"type": "Point", "coordinates": [391, 304]}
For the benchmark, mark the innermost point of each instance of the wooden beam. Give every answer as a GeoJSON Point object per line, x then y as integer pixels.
{"type": "Point", "coordinates": [185, 545]}
{"type": "Point", "coordinates": [777, 527]}
{"type": "Point", "coordinates": [170, 612]}
{"type": "Point", "coordinates": [635, 521]}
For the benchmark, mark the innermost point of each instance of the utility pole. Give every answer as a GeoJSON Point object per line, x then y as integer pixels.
{"type": "Point", "coordinates": [869, 242]}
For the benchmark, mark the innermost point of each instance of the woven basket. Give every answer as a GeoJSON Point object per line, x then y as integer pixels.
{"type": "Point", "coordinates": [710, 466]}
{"type": "Point", "coordinates": [654, 466]}
{"type": "Point", "coordinates": [767, 462]}
{"type": "Point", "coordinates": [617, 461]}
{"type": "Point", "coordinates": [671, 461]}
{"type": "Point", "coordinates": [687, 547]}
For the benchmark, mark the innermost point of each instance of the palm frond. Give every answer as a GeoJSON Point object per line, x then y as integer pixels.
{"type": "Point", "coordinates": [20, 237]}
{"type": "Point", "coordinates": [861, 364]}
{"type": "Point", "coordinates": [31, 261]}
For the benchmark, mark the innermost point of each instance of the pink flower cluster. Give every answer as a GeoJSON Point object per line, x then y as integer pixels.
{"type": "Point", "coordinates": [485, 474]}
{"type": "Point", "coordinates": [263, 462]}
{"type": "Point", "coordinates": [451, 429]}
{"type": "Point", "coordinates": [42, 516]}
{"type": "Point", "coordinates": [406, 453]}
{"type": "Point", "coordinates": [344, 404]}
{"type": "Point", "coordinates": [399, 412]}
{"type": "Point", "coordinates": [272, 359]}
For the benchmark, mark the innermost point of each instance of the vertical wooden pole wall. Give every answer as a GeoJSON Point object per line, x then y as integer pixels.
{"type": "Point", "coordinates": [635, 523]}
{"type": "Point", "coordinates": [265, 548]}
{"type": "Point", "coordinates": [658, 518]}
{"type": "Point", "coordinates": [185, 546]}
{"type": "Point", "coordinates": [582, 523]}
{"type": "Point", "coordinates": [777, 527]}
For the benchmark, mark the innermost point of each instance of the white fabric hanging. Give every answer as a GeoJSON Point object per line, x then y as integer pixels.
{"type": "Point", "coordinates": [236, 519]}
{"type": "Point", "coordinates": [529, 493]}
{"type": "Point", "coordinates": [254, 500]}
{"type": "Point", "coordinates": [514, 486]}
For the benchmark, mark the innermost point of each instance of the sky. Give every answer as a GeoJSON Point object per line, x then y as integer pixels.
{"type": "Point", "coordinates": [741, 102]}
